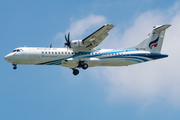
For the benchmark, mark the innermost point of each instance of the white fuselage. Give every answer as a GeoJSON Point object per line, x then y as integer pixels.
{"type": "Point", "coordinates": [69, 58]}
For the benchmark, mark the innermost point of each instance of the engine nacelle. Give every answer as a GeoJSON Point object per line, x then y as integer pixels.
{"type": "Point", "coordinates": [77, 44]}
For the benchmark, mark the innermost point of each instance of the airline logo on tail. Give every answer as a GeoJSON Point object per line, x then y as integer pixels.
{"type": "Point", "coordinates": [153, 44]}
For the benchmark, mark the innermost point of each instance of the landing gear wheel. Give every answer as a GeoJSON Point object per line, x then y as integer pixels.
{"type": "Point", "coordinates": [75, 71]}
{"type": "Point", "coordinates": [14, 67]}
{"type": "Point", "coordinates": [84, 66]}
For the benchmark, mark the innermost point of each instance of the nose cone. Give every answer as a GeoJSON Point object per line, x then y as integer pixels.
{"type": "Point", "coordinates": [7, 58]}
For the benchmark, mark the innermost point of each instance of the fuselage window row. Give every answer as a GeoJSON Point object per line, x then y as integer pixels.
{"type": "Point", "coordinates": [120, 54]}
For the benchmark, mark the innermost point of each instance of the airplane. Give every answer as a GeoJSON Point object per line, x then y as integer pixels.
{"type": "Point", "coordinates": [83, 54]}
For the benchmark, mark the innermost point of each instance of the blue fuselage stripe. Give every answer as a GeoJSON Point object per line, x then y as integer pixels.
{"type": "Point", "coordinates": [138, 57]}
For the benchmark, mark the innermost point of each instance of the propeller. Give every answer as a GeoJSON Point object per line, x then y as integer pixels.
{"type": "Point", "coordinates": [68, 42]}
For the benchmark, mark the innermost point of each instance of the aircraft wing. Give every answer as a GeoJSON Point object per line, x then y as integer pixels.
{"type": "Point", "coordinates": [97, 37]}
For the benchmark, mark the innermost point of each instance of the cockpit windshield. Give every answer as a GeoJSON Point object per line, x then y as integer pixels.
{"type": "Point", "coordinates": [17, 50]}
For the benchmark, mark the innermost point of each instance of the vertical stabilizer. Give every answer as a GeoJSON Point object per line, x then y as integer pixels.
{"type": "Point", "coordinates": [154, 41]}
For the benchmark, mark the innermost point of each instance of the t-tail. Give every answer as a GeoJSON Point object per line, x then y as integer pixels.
{"type": "Point", "coordinates": [154, 41]}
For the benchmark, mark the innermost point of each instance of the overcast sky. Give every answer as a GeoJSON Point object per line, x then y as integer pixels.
{"type": "Point", "coordinates": [143, 91]}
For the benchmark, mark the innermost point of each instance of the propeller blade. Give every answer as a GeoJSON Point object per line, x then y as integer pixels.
{"type": "Point", "coordinates": [68, 42]}
{"type": "Point", "coordinates": [68, 37]}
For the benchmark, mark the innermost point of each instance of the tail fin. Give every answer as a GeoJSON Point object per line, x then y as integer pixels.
{"type": "Point", "coordinates": [154, 41]}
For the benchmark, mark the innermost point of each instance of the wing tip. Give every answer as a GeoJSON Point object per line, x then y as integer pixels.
{"type": "Point", "coordinates": [109, 25]}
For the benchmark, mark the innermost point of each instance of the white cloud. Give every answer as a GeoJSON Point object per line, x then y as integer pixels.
{"type": "Point", "coordinates": [141, 83]}
{"type": "Point", "coordinates": [152, 81]}
{"type": "Point", "coordinates": [79, 27]}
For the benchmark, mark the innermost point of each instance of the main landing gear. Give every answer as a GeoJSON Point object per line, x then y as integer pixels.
{"type": "Point", "coordinates": [75, 71]}
{"type": "Point", "coordinates": [15, 66]}
{"type": "Point", "coordinates": [82, 65]}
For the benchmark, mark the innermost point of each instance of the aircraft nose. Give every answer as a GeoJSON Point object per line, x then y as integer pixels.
{"type": "Point", "coordinates": [7, 58]}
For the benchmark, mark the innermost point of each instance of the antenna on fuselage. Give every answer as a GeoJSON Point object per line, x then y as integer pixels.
{"type": "Point", "coordinates": [51, 45]}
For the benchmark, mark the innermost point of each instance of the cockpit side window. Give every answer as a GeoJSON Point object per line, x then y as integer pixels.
{"type": "Point", "coordinates": [14, 51]}
{"type": "Point", "coordinates": [17, 50]}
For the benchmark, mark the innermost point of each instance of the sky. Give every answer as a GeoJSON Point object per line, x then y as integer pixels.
{"type": "Point", "coordinates": [143, 91]}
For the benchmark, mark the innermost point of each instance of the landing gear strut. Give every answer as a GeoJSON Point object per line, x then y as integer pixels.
{"type": "Point", "coordinates": [15, 66]}
{"type": "Point", "coordinates": [75, 71]}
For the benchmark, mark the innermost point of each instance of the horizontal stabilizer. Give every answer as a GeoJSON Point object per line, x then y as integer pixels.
{"type": "Point", "coordinates": [161, 27]}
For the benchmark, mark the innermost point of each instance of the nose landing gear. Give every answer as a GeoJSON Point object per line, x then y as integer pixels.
{"type": "Point", "coordinates": [15, 66]}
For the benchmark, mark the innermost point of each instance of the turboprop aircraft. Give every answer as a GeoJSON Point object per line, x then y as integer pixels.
{"type": "Point", "coordinates": [83, 54]}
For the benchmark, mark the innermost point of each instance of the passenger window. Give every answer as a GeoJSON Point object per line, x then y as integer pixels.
{"type": "Point", "coordinates": [65, 53]}
{"type": "Point", "coordinates": [46, 52]}
{"type": "Point", "coordinates": [58, 52]}
{"type": "Point", "coordinates": [62, 52]}
{"type": "Point", "coordinates": [72, 53]}
{"type": "Point", "coordinates": [55, 52]}
{"type": "Point", "coordinates": [52, 52]}
{"type": "Point", "coordinates": [42, 52]}
{"type": "Point", "coordinates": [49, 52]}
